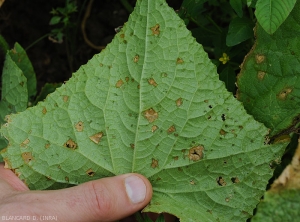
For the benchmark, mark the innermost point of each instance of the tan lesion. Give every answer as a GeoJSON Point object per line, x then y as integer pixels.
{"type": "Point", "coordinates": [156, 30]}
{"type": "Point", "coordinates": [196, 153]}
{"type": "Point", "coordinates": [151, 115]}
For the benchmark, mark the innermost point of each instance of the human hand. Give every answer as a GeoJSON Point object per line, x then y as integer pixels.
{"type": "Point", "coordinates": [106, 199]}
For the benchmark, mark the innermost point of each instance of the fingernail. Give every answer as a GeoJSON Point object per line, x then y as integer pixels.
{"type": "Point", "coordinates": [135, 188]}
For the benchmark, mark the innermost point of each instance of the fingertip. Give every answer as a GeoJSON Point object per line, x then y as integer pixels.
{"type": "Point", "coordinates": [138, 188]}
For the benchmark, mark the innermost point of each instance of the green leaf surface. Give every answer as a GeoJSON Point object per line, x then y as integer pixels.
{"type": "Point", "coordinates": [269, 82]}
{"type": "Point", "coordinates": [237, 5]}
{"type": "Point", "coordinates": [279, 206]}
{"type": "Point", "coordinates": [240, 29]}
{"type": "Point", "coordinates": [271, 14]}
{"type": "Point", "coordinates": [150, 103]}
{"type": "Point", "coordinates": [14, 89]}
{"type": "Point", "coordinates": [19, 56]}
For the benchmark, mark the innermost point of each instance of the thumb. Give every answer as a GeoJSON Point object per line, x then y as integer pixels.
{"type": "Point", "coordinates": [106, 199]}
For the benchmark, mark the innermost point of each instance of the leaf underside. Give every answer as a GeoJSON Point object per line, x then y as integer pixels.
{"type": "Point", "coordinates": [150, 103]}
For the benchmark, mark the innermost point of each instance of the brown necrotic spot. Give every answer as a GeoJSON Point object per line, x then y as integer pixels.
{"type": "Point", "coordinates": [196, 153]}
{"type": "Point", "coordinates": [171, 129]}
{"type": "Point", "coordinates": [79, 126]}
{"type": "Point", "coordinates": [152, 82]}
{"type": "Point", "coordinates": [27, 157]}
{"type": "Point", "coordinates": [154, 163]}
{"type": "Point", "coordinates": [90, 172]}
{"type": "Point", "coordinates": [154, 128]}
{"type": "Point", "coordinates": [47, 145]}
{"type": "Point", "coordinates": [178, 102]}
{"type": "Point", "coordinates": [284, 93]}
{"type": "Point", "coordinates": [119, 83]}
{"type": "Point", "coordinates": [127, 79]}
{"type": "Point", "coordinates": [132, 145]}
{"type": "Point", "coordinates": [179, 61]}
{"type": "Point", "coordinates": [222, 132]}
{"type": "Point", "coordinates": [136, 58]}
{"type": "Point", "coordinates": [155, 30]}
{"type": "Point", "coordinates": [175, 158]}
{"type": "Point", "coordinates": [235, 180]}
{"type": "Point", "coordinates": [25, 143]}
{"type": "Point", "coordinates": [65, 98]}
{"type": "Point", "coordinates": [259, 58]}
{"type": "Point", "coordinates": [96, 138]}
{"type": "Point", "coordinates": [67, 179]}
{"type": "Point", "coordinates": [192, 182]}
{"type": "Point", "coordinates": [44, 111]}
{"type": "Point", "coordinates": [151, 115]}
{"type": "Point", "coordinates": [122, 35]}
{"type": "Point", "coordinates": [221, 181]}
{"type": "Point", "coordinates": [261, 75]}
{"type": "Point", "coordinates": [70, 144]}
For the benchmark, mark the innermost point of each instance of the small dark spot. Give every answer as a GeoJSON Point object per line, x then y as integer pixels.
{"type": "Point", "coordinates": [222, 132]}
{"type": "Point", "coordinates": [235, 180]}
{"type": "Point", "coordinates": [132, 145]}
{"type": "Point", "coordinates": [179, 61]}
{"type": "Point", "coordinates": [179, 169]}
{"type": "Point", "coordinates": [223, 117]}
{"type": "Point", "coordinates": [67, 179]}
{"type": "Point", "coordinates": [175, 158]}
{"type": "Point", "coordinates": [210, 106]}
{"type": "Point", "coordinates": [90, 172]}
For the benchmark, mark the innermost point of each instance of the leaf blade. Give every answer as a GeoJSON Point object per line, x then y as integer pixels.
{"type": "Point", "coordinates": [272, 13]}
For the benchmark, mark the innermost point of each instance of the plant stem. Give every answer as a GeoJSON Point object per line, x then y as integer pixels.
{"type": "Point", "coordinates": [126, 4]}
{"type": "Point", "coordinates": [36, 41]}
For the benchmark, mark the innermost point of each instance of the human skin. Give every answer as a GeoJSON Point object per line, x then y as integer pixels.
{"type": "Point", "coordinates": [107, 199]}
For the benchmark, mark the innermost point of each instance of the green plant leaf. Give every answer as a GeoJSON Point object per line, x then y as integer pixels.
{"type": "Point", "coordinates": [240, 29]}
{"type": "Point", "coordinates": [272, 13]}
{"type": "Point", "coordinates": [278, 207]}
{"type": "Point", "coordinates": [269, 79]}
{"type": "Point", "coordinates": [151, 103]}
{"type": "Point", "coordinates": [14, 88]}
{"type": "Point", "coordinates": [14, 95]}
{"type": "Point", "coordinates": [55, 20]}
{"type": "Point", "coordinates": [19, 56]}
{"type": "Point", "coordinates": [237, 5]}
